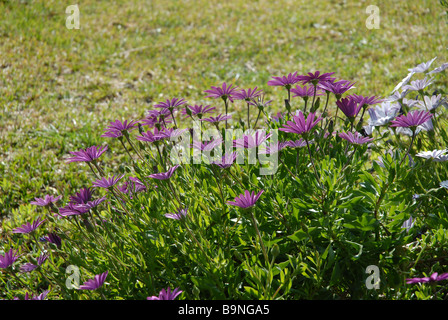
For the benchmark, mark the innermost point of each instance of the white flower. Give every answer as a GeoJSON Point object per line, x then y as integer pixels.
{"type": "Point", "coordinates": [382, 114]}
{"type": "Point", "coordinates": [436, 155]}
{"type": "Point", "coordinates": [404, 81]}
{"type": "Point", "coordinates": [427, 126]}
{"type": "Point", "coordinates": [430, 103]}
{"type": "Point", "coordinates": [444, 184]}
{"type": "Point", "coordinates": [417, 85]}
{"type": "Point", "coordinates": [408, 224]}
{"type": "Point", "coordinates": [405, 131]}
{"type": "Point", "coordinates": [439, 69]}
{"type": "Point", "coordinates": [410, 102]}
{"type": "Point", "coordinates": [422, 67]}
{"type": "Point", "coordinates": [368, 129]}
{"type": "Point", "coordinates": [397, 96]}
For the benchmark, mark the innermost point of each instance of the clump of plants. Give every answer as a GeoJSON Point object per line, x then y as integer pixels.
{"type": "Point", "coordinates": [337, 196]}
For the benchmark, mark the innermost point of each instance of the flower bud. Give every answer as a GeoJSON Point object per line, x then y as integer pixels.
{"type": "Point", "coordinates": [275, 251]}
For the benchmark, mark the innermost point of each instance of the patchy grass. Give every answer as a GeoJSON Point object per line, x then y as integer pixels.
{"type": "Point", "coordinates": [60, 87]}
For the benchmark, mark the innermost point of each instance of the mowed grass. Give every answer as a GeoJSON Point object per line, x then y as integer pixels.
{"type": "Point", "coordinates": [59, 88]}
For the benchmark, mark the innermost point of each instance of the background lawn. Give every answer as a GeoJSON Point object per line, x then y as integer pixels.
{"type": "Point", "coordinates": [59, 88]}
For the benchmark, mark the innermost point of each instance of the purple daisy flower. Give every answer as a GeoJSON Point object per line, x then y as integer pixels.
{"type": "Point", "coordinates": [349, 107]}
{"type": "Point", "coordinates": [28, 267]}
{"type": "Point", "coordinates": [216, 120]}
{"type": "Point", "coordinates": [170, 104]}
{"type": "Point", "coordinates": [94, 203]}
{"type": "Point", "coordinates": [73, 209]}
{"type": "Point", "coordinates": [164, 175]}
{"type": "Point", "coordinates": [171, 133]}
{"type": "Point", "coordinates": [246, 199]}
{"type": "Point", "coordinates": [305, 92]}
{"type": "Point", "coordinates": [95, 283]}
{"type": "Point", "coordinates": [41, 296]}
{"type": "Point", "coordinates": [296, 143]}
{"type": "Point", "coordinates": [8, 258]}
{"type": "Point", "coordinates": [149, 136]}
{"type": "Point", "coordinates": [260, 103]}
{"type": "Point", "coordinates": [132, 186]}
{"type": "Point", "coordinates": [248, 94]}
{"type": "Point", "coordinates": [315, 78]}
{"type": "Point", "coordinates": [90, 154]}
{"type": "Point", "coordinates": [356, 138]}
{"type": "Point", "coordinates": [82, 197]}
{"type": "Point", "coordinates": [337, 88]}
{"type": "Point", "coordinates": [166, 294]}
{"type": "Point", "coordinates": [157, 117]}
{"type": "Point", "coordinates": [224, 92]}
{"type": "Point", "coordinates": [279, 116]}
{"type": "Point", "coordinates": [226, 161]}
{"type": "Point", "coordinates": [412, 119]}
{"type": "Point", "coordinates": [369, 101]}
{"type": "Point", "coordinates": [181, 213]}
{"type": "Point", "coordinates": [46, 201]}
{"type": "Point", "coordinates": [197, 110]}
{"type": "Point", "coordinates": [284, 81]}
{"type": "Point", "coordinates": [28, 296]}
{"type": "Point", "coordinates": [29, 227]}
{"type": "Point", "coordinates": [53, 238]}
{"type": "Point", "coordinates": [249, 141]}
{"type": "Point", "coordinates": [117, 128]}
{"type": "Point", "coordinates": [433, 278]}
{"type": "Point", "coordinates": [300, 125]}
{"type": "Point", "coordinates": [107, 182]}
{"type": "Point", "coordinates": [207, 145]}
{"type": "Point", "coordinates": [277, 147]}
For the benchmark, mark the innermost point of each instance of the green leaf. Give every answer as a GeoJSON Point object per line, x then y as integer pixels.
{"type": "Point", "coordinates": [351, 202]}
{"type": "Point", "coordinates": [299, 235]}
{"type": "Point", "coordinates": [363, 223]}
{"type": "Point", "coordinates": [253, 292]}
{"type": "Point", "coordinates": [336, 275]}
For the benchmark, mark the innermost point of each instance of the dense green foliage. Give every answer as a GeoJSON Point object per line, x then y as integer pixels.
{"type": "Point", "coordinates": [322, 221]}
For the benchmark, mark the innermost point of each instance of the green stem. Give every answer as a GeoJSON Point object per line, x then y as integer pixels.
{"type": "Point", "coordinates": [263, 248]}
{"type": "Point", "coordinates": [410, 146]}
{"type": "Point", "coordinates": [226, 105]}
{"type": "Point", "coordinates": [314, 97]}
{"type": "Point", "coordinates": [220, 190]}
{"type": "Point", "coordinates": [312, 161]}
{"type": "Point", "coordinates": [248, 118]}
{"type": "Point", "coordinates": [134, 148]}
{"type": "Point", "coordinates": [126, 149]}
{"type": "Point", "coordinates": [172, 115]}
{"type": "Point", "coordinates": [255, 125]}
{"type": "Point", "coordinates": [326, 103]}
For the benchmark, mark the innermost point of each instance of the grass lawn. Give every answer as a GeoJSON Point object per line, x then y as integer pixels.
{"type": "Point", "coordinates": [60, 87]}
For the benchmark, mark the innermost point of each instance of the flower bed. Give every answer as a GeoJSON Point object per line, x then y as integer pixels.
{"type": "Point", "coordinates": [339, 196]}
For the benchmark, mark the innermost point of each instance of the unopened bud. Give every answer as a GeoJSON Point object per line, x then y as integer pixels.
{"type": "Point", "coordinates": [275, 250]}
